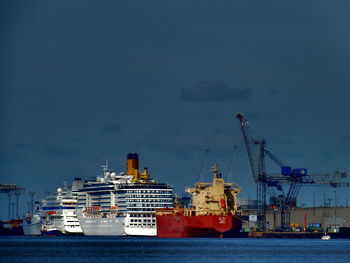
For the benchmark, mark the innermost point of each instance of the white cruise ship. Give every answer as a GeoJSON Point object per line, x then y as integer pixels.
{"type": "Point", "coordinates": [122, 204]}
{"type": "Point", "coordinates": [58, 211]}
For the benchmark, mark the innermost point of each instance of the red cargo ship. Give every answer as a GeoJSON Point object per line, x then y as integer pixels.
{"type": "Point", "coordinates": [214, 212]}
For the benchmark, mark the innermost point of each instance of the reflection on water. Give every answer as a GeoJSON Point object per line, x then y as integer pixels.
{"type": "Point", "coordinates": [135, 250]}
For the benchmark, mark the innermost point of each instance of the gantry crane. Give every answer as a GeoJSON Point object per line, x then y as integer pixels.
{"type": "Point", "coordinates": [283, 188]}
{"type": "Point", "coordinates": [12, 189]}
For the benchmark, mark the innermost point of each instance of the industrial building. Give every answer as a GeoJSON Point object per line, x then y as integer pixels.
{"type": "Point", "coordinates": [313, 218]}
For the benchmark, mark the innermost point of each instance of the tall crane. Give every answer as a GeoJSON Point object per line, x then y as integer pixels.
{"type": "Point", "coordinates": [283, 188]}
{"type": "Point", "coordinates": [11, 189]}
{"type": "Point", "coordinates": [257, 165]}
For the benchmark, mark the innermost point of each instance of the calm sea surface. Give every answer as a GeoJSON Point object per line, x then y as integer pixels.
{"type": "Point", "coordinates": [134, 250]}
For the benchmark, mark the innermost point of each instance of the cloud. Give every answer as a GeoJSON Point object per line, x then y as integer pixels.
{"type": "Point", "coordinates": [59, 151]}
{"type": "Point", "coordinates": [111, 128]}
{"type": "Point", "coordinates": [215, 91]}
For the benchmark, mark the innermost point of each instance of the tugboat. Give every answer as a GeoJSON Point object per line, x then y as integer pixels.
{"type": "Point", "coordinates": [214, 212]}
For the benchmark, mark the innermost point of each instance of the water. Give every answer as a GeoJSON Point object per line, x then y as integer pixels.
{"type": "Point", "coordinates": [135, 250]}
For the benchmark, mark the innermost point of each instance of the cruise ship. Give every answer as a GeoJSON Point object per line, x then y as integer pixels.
{"type": "Point", "coordinates": [59, 211]}
{"type": "Point", "coordinates": [124, 203]}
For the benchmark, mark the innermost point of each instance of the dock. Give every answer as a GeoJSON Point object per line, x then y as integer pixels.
{"type": "Point", "coordinates": [295, 235]}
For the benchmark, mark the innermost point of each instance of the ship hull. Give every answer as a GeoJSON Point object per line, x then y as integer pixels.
{"type": "Point", "coordinates": [33, 229]}
{"type": "Point", "coordinates": [198, 226]}
{"type": "Point", "coordinates": [52, 233]}
{"type": "Point", "coordinates": [141, 231]}
{"type": "Point", "coordinates": [102, 226]}
{"type": "Point", "coordinates": [32, 225]}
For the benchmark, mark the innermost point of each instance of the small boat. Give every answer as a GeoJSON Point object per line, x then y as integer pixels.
{"type": "Point", "coordinates": [326, 237]}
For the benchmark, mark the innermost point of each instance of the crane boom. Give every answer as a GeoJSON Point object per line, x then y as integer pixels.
{"type": "Point", "coordinates": [272, 183]}
{"type": "Point", "coordinates": [250, 144]}
{"type": "Point", "coordinates": [257, 165]}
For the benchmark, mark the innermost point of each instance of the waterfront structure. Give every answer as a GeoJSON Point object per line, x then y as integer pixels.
{"type": "Point", "coordinates": [329, 219]}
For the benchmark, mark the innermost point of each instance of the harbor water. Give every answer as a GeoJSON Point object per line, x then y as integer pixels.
{"type": "Point", "coordinates": [82, 249]}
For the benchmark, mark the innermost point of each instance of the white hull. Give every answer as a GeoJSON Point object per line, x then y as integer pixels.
{"type": "Point", "coordinates": [32, 229]}
{"type": "Point", "coordinates": [92, 226]}
{"type": "Point", "coordinates": [71, 223]}
{"type": "Point", "coordinates": [76, 230]}
{"type": "Point", "coordinates": [141, 231]}
{"type": "Point", "coordinates": [32, 225]}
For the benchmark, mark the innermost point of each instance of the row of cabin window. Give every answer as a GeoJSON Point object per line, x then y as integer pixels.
{"type": "Point", "coordinates": [149, 191]}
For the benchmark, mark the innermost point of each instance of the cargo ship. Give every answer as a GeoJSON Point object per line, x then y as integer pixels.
{"type": "Point", "coordinates": [213, 212]}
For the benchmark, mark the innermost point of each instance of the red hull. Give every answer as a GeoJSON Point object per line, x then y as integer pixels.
{"type": "Point", "coordinates": [198, 226]}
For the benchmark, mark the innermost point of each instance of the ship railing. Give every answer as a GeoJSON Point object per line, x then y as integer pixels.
{"type": "Point", "coordinates": [169, 211]}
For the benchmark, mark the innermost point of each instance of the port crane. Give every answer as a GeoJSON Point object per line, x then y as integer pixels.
{"type": "Point", "coordinates": [12, 189]}
{"type": "Point", "coordinates": [283, 188]}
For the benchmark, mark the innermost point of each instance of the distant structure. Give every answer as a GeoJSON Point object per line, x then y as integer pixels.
{"type": "Point", "coordinates": [289, 179]}
{"type": "Point", "coordinates": [10, 190]}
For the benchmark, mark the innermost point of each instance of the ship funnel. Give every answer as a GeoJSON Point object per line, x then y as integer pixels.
{"type": "Point", "coordinates": [132, 165]}
{"type": "Point", "coordinates": [77, 184]}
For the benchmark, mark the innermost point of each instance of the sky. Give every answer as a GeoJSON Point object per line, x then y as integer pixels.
{"type": "Point", "coordinates": [83, 82]}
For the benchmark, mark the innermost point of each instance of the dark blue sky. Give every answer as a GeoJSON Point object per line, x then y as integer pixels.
{"type": "Point", "coordinates": [87, 81]}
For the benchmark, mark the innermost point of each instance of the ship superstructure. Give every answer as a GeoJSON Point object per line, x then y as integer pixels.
{"type": "Point", "coordinates": [142, 201]}
{"type": "Point", "coordinates": [101, 204]}
{"type": "Point", "coordinates": [122, 204]}
{"type": "Point", "coordinates": [58, 211]}
{"type": "Point", "coordinates": [214, 211]}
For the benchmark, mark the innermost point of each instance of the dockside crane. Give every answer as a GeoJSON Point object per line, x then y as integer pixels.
{"type": "Point", "coordinates": [12, 189]}
{"type": "Point", "coordinates": [257, 165]}
{"type": "Point", "coordinates": [283, 188]}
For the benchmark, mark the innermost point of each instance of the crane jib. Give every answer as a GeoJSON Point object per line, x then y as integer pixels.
{"type": "Point", "coordinates": [271, 184]}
